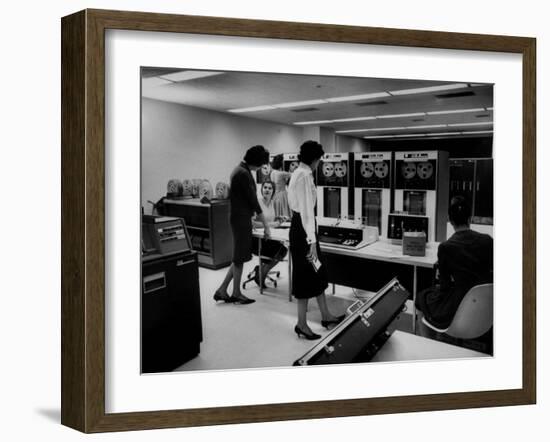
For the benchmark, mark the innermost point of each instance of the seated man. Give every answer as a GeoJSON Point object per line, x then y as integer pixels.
{"type": "Point", "coordinates": [465, 260]}
{"type": "Point", "coordinates": [273, 250]}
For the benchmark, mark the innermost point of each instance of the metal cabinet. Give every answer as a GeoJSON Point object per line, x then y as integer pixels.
{"type": "Point", "coordinates": [171, 325]}
{"type": "Point", "coordinates": [473, 179]}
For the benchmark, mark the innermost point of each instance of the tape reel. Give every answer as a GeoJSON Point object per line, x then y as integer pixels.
{"type": "Point", "coordinates": [328, 169]}
{"type": "Point", "coordinates": [366, 170]}
{"type": "Point", "coordinates": [408, 170]}
{"type": "Point", "coordinates": [341, 169]}
{"type": "Point", "coordinates": [174, 187]}
{"type": "Point", "coordinates": [205, 189]}
{"type": "Point", "coordinates": [381, 169]}
{"type": "Point", "coordinates": [222, 190]}
{"type": "Point", "coordinates": [424, 170]}
{"type": "Point", "coordinates": [293, 166]}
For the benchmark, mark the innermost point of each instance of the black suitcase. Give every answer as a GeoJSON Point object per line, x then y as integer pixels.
{"type": "Point", "coordinates": [359, 336]}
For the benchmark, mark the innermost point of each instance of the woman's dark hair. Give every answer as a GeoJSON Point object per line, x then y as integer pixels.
{"type": "Point", "coordinates": [310, 151]}
{"type": "Point", "coordinates": [277, 162]}
{"type": "Point", "coordinates": [459, 211]}
{"type": "Point", "coordinates": [256, 156]}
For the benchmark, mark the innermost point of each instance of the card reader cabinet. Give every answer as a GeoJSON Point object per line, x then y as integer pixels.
{"type": "Point", "coordinates": [171, 326]}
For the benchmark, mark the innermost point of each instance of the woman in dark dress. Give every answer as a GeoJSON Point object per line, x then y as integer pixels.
{"type": "Point", "coordinates": [309, 275]}
{"type": "Point", "coordinates": [244, 203]}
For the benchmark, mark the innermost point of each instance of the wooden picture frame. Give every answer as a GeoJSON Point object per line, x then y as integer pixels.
{"type": "Point", "coordinates": [83, 220]}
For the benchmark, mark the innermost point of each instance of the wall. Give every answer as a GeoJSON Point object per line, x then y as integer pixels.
{"type": "Point", "coordinates": [351, 144]}
{"type": "Point", "coordinates": [187, 142]}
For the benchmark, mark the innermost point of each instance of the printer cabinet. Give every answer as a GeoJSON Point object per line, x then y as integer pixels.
{"type": "Point", "coordinates": [209, 229]}
{"type": "Point", "coordinates": [171, 326]}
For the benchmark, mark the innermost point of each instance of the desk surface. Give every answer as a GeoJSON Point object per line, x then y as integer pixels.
{"type": "Point", "coordinates": [381, 250]}
{"type": "Point", "coordinates": [407, 347]}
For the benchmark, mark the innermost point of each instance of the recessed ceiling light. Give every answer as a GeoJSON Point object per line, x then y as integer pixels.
{"type": "Point", "coordinates": [357, 97]}
{"type": "Point", "coordinates": [305, 123]}
{"type": "Point", "coordinates": [178, 77]}
{"type": "Point", "coordinates": [388, 128]}
{"type": "Point", "coordinates": [415, 114]}
{"type": "Point", "coordinates": [251, 109]}
{"type": "Point", "coordinates": [489, 108]}
{"type": "Point", "coordinates": [484, 123]}
{"type": "Point", "coordinates": [443, 134]}
{"type": "Point", "coordinates": [424, 90]}
{"type": "Point", "coordinates": [427, 126]}
{"type": "Point", "coordinates": [457, 111]}
{"type": "Point", "coordinates": [351, 131]}
{"type": "Point", "coordinates": [343, 120]}
{"type": "Point", "coordinates": [298, 103]}
{"type": "Point", "coordinates": [477, 132]}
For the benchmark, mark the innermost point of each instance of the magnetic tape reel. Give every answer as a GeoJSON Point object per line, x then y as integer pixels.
{"type": "Point", "coordinates": [408, 170]}
{"type": "Point", "coordinates": [222, 190]}
{"type": "Point", "coordinates": [340, 169]}
{"type": "Point", "coordinates": [205, 189]}
{"type": "Point", "coordinates": [328, 169]}
{"type": "Point", "coordinates": [293, 166]}
{"type": "Point", "coordinates": [367, 170]}
{"type": "Point", "coordinates": [424, 170]}
{"type": "Point", "coordinates": [381, 169]}
{"type": "Point", "coordinates": [174, 187]}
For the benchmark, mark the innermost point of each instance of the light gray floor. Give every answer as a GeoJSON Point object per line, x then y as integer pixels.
{"type": "Point", "coordinates": [259, 334]}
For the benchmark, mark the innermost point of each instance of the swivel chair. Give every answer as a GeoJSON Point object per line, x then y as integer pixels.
{"type": "Point", "coordinates": [473, 318]}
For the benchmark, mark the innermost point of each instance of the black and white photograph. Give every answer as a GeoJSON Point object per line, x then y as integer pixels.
{"type": "Point", "coordinates": [296, 220]}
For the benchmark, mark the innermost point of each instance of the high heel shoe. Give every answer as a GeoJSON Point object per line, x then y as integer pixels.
{"type": "Point", "coordinates": [309, 336]}
{"type": "Point", "coordinates": [336, 321]}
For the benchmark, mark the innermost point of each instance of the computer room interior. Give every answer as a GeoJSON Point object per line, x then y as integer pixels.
{"type": "Point", "coordinates": [197, 125]}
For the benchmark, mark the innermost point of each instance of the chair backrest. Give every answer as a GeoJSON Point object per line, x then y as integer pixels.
{"type": "Point", "coordinates": [474, 316]}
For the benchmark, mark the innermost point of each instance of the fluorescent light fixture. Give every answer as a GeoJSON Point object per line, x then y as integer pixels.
{"type": "Point", "coordinates": [305, 123]}
{"type": "Point", "coordinates": [251, 109]}
{"type": "Point", "coordinates": [298, 103]}
{"type": "Point", "coordinates": [389, 128]}
{"type": "Point", "coordinates": [415, 114]}
{"type": "Point", "coordinates": [178, 77]}
{"type": "Point", "coordinates": [424, 90]}
{"type": "Point", "coordinates": [379, 136]}
{"type": "Point", "coordinates": [458, 111]}
{"type": "Point", "coordinates": [443, 134]}
{"type": "Point", "coordinates": [351, 131]}
{"type": "Point", "coordinates": [343, 120]}
{"type": "Point", "coordinates": [409, 135]}
{"type": "Point", "coordinates": [357, 97]}
{"type": "Point", "coordinates": [477, 132]}
{"type": "Point", "coordinates": [155, 81]}
{"type": "Point", "coordinates": [489, 108]}
{"type": "Point", "coordinates": [427, 126]}
{"type": "Point", "coordinates": [487, 123]}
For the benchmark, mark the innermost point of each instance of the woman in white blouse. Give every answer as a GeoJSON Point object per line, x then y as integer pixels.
{"type": "Point", "coordinates": [309, 275]}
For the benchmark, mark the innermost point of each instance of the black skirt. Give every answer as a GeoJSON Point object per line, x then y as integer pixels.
{"type": "Point", "coordinates": [241, 227]}
{"type": "Point", "coordinates": [306, 281]}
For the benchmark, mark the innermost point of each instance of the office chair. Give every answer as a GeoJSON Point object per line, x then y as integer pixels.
{"type": "Point", "coordinates": [472, 320]}
{"type": "Point", "coordinates": [269, 277]}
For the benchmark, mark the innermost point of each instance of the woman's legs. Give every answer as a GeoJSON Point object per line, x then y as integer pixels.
{"type": "Point", "coordinates": [302, 315]}
{"type": "Point", "coordinates": [326, 315]}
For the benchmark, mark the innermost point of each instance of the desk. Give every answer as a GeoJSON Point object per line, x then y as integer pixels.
{"type": "Point", "coordinates": [381, 251]}
{"type": "Point", "coordinates": [407, 347]}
